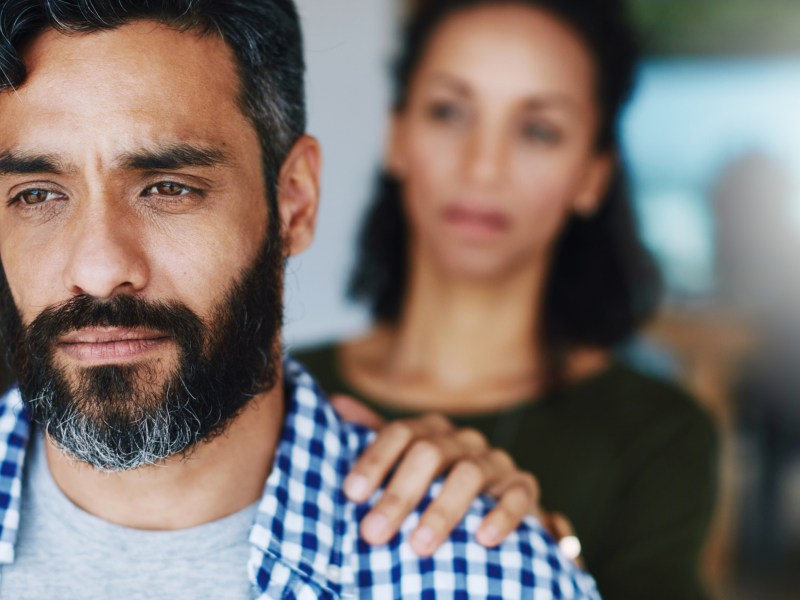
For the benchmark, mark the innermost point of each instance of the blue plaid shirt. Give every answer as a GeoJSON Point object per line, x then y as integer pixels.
{"type": "Point", "coordinates": [304, 541]}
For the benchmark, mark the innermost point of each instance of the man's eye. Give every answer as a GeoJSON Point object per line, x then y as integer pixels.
{"type": "Point", "coordinates": [36, 196]}
{"type": "Point", "coordinates": [168, 188]}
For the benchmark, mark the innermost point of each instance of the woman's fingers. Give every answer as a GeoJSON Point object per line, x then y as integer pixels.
{"type": "Point", "coordinates": [423, 462]}
{"type": "Point", "coordinates": [421, 450]}
{"type": "Point", "coordinates": [467, 479]}
{"type": "Point", "coordinates": [559, 526]}
{"type": "Point", "coordinates": [385, 452]}
{"type": "Point", "coordinates": [517, 496]}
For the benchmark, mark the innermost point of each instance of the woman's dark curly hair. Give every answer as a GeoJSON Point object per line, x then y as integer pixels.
{"type": "Point", "coordinates": [603, 284]}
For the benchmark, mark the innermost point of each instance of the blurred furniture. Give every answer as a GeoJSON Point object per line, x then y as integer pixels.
{"type": "Point", "coordinates": [709, 345]}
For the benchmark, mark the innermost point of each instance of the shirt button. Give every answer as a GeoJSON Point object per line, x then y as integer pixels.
{"type": "Point", "coordinates": [334, 573]}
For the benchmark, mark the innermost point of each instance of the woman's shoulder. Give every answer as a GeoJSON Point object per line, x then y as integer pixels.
{"type": "Point", "coordinates": [328, 364]}
{"type": "Point", "coordinates": [321, 360]}
{"type": "Point", "coordinates": [314, 353]}
{"type": "Point", "coordinates": [642, 404]}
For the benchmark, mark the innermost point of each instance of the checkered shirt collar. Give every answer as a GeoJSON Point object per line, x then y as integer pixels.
{"type": "Point", "coordinates": [304, 521]}
{"type": "Point", "coordinates": [300, 535]}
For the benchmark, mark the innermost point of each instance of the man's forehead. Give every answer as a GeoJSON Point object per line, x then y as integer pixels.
{"type": "Point", "coordinates": [147, 64]}
{"type": "Point", "coordinates": [122, 91]}
{"type": "Point", "coordinates": [142, 39]}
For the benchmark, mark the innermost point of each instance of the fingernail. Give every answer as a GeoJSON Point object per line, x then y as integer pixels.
{"type": "Point", "coordinates": [422, 538]}
{"type": "Point", "coordinates": [375, 526]}
{"type": "Point", "coordinates": [355, 486]}
{"type": "Point", "coordinates": [488, 535]}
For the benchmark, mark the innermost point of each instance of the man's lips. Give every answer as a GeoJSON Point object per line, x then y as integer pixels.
{"type": "Point", "coordinates": [109, 344]}
{"type": "Point", "coordinates": [102, 335]}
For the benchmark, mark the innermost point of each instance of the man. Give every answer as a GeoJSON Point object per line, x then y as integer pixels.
{"type": "Point", "coordinates": [155, 176]}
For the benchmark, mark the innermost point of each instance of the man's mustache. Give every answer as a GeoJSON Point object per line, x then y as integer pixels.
{"type": "Point", "coordinates": [125, 311]}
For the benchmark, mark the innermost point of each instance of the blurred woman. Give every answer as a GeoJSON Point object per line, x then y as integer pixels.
{"type": "Point", "coordinates": [501, 263]}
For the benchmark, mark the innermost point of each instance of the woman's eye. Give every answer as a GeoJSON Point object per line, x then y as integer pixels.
{"type": "Point", "coordinates": [168, 188]}
{"type": "Point", "coordinates": [539, 132]}
{"type": "Point", "coordinates": [36, 196]}
{"type": "Point", "coordinates": [446, 112]}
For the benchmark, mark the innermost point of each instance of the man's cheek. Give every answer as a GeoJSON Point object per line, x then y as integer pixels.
{"type": "Point", "coordinates": [34, 287]}
{"type": "Point", "coordinates": [17, 297]}
{"type": "Point", "coordinates": [25, 301]}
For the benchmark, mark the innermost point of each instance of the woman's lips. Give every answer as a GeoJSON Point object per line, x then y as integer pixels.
{"type": "Point", "coordinates": [106, 345]}
{"type": "Point", "coordinates": [475, 222]}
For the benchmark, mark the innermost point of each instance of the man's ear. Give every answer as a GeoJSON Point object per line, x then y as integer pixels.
{"type": "Point", "coordinates": [595, 184]}
{"type": "Point", "coordinates": [298, 193]}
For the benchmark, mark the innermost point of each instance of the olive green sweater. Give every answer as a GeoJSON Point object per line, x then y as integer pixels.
{"type": "Point", "coordinates": [629, 459]}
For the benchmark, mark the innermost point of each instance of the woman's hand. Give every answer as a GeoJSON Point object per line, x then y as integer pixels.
{"type": "Point", "coordinates": [423, 449]}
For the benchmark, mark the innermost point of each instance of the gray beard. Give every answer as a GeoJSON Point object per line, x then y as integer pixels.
{"type": "Point", "coordinates": [164, 430]}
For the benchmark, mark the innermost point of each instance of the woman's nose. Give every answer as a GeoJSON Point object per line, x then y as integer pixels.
{"type": "Point", "coordinates": [485, 157]}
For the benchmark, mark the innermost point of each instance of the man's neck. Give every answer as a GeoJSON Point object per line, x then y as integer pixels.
{"type": "Point", "coordinates": [218, 478]}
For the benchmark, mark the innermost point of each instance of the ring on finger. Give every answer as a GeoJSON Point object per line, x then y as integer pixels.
{"type": "Point", "coordinates": [570, 545]}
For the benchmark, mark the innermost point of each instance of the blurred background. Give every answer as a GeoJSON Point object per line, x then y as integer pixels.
{"type": "Point", "coordinates": [713, 141]}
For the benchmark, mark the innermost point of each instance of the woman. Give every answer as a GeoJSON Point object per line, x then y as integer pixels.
{"type": "Point", "coordinates": [502, 265]}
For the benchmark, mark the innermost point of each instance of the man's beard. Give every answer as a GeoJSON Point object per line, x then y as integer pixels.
{"type": "Point", "coordinates": [119, 417]}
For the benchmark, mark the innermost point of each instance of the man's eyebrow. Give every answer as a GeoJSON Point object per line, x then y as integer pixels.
{"type": "Point", "coordinates": [18, 163]}
{"type": "Point", "coordinates": [177, 156]}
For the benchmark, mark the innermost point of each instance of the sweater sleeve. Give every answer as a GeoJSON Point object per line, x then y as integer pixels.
{"type": "Point", "coordinates": [656, 540]}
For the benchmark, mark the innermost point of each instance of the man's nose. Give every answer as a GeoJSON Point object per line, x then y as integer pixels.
{"type": "Point", "coordinates": [105, 253]}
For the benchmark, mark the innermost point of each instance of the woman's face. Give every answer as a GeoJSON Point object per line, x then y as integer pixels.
{"type": "Point", "coordinates": [495, 146]}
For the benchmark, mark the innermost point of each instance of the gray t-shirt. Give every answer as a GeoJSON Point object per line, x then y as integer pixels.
{"type": "Point", "coordinates": [64, 552]}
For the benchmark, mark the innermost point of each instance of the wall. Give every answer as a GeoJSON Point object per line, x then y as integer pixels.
{"type": "Point", "coordinates": [347, 47]}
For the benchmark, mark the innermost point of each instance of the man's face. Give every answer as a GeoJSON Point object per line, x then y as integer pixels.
{"type": "Point", "coordinates": [134, 219]}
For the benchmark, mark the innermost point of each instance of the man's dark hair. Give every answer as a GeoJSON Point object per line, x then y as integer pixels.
{"type": "Point", "coordinates": [603, 284]}
{"type": "Point", "coordinates": [264, 36]}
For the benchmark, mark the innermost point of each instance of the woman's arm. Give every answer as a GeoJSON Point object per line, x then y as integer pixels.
{"type": "Point", "coordinates": [655, 543]}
